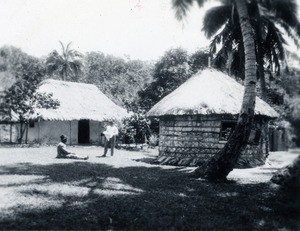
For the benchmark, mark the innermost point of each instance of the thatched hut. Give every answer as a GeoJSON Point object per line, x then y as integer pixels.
{"type": "Point", "coordinates": [82, 114]}
{"type": "Point", "coordinates": [198, 117]}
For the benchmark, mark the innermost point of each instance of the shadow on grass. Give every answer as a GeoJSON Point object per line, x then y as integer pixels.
{"type": "Point", "coordinates": [98, 196]}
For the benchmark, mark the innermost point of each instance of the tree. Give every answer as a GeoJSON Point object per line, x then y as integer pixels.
{"type": "Point", "coordinates": [266, 17]}
{"type": "Point", "coordinates": [21, 98]}
{"type": "Point", "coordinates": [169, 72]}
{"type": "Point", "coordinates": [199, 60]}
{"type": "Point", "coordinates": [118, 78]}
{"type": "Point", "coordinates": [220, 165]}
{"type": "Point", "coordinates": [294, 117]}
{"type": "Point", "coordinates": [13, 64]}
{"type": "Point", "coordinates": [173, 69]}
{"type": "Point", "coordinates": [68, 64]}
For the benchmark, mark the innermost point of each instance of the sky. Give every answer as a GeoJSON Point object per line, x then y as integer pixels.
{"type": "Point", "coordinates": [140, 29]}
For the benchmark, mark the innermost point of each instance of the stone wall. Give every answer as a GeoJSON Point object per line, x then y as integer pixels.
{"type": "Point", "coordinates": [191, 140]}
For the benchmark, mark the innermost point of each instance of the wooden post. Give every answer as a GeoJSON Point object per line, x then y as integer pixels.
{"type": "Point", "coordinates": [38, 123]}
{"type": "Point", "coordinates": [10, 132]}
{"type": "Point", "coordinates": [26, 134]}
{"type": "Point", "coordinates": [70, 132]}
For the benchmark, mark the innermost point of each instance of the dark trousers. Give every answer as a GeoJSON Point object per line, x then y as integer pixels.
{"type": "Point", "coordinates": [109, 144]}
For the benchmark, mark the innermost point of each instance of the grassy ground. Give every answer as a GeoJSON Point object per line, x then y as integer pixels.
{"type": "Point", "coordinates": [38, 192]}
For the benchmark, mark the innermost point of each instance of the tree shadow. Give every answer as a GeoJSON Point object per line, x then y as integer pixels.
{"type": "Point", "coordinates": [84, 195]}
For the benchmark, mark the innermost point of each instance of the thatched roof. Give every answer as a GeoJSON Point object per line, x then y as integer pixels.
{"type": "Point", "coordinates": [78, 101]}
{"type": "Point", "coordinates": [208, 92]}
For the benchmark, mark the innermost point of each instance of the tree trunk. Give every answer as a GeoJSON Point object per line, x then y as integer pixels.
{"type": "Point", "coordinates": [260, 60]}
{"type": "Point", "coordinates": [26, 134]}
{"type": "Point", "coordinates": [220, 165]}
{"type": "Point", "coordinates": [261, 73]}
{"type": "Point", "coordinates": [22, 130]}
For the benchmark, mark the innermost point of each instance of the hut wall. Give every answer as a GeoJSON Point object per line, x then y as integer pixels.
{"type": "Point", "coordinates": [8, 133]}
{"type": "Point", "coordinates": [96, 129]}
{"type": "Point", "coordinates": [49, 132]}
{"type": "Point", "coordinates": [255, 154]}
{"type": "Point", "coordinates": [191, 140]}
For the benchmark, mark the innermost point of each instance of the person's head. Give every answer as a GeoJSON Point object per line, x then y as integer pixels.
{"type": "Point", "coordinates": [109, 123]}
{"type": "Point", "coordinates": [63, 138]}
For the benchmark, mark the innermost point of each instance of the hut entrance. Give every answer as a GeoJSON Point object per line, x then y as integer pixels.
{"type": "Point", "coordinates": [83, 131]}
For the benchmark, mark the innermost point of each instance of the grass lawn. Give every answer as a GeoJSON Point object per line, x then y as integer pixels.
{"type": "Point", "coordinates": [119, 193]}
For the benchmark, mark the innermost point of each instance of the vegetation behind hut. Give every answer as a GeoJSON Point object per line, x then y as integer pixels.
{"type": "Point", "coordinates": [137, 84]}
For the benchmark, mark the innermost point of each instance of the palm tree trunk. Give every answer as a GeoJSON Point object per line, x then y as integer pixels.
{"type": "Point", "coordinates": [261, 73]}
{"type": "Point", "coordinates": [260, 61]}
{"type": "Point", "coordinates": [219, 166]}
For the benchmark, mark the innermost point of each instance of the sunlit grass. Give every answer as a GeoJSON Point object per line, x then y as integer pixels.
{"type": "Point", "coordinates": [38, 192]}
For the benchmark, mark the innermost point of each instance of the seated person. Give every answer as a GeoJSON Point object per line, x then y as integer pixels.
{"type": "Point", "coordinates": [62, 151]}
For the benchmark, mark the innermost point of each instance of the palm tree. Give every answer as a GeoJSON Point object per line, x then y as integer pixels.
{"type": "Point", "coordinates": [266, 17]}
{"type": "Point", "coordinates": [219, 166]}
{"type": "Point", "coordinates": [66, 64]}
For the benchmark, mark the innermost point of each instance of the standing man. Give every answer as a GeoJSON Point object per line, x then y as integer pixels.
{"type": "Point", "coordinates": [110, 138]}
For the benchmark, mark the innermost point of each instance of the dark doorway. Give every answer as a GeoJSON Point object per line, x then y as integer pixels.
{"type": "Point", "coordinates": [83, 131]}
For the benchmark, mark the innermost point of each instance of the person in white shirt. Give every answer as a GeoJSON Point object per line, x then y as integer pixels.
{"type": "Point", "coordinates": [110, 138]}
{"type": "Point", "coordinates": [62, 151]}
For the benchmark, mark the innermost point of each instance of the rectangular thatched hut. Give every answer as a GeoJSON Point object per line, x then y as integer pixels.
{"type": "Point", "coordinates": [197, 119]}
{"type": "Point", "coordinates": [81, 116]}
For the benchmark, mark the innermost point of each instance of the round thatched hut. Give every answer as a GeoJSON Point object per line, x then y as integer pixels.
{"type": "Point", "coordinates": [197, 119]}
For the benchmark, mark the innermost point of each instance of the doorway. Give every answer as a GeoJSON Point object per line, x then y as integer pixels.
{"type": "Point", "coordinates": [83, 132]}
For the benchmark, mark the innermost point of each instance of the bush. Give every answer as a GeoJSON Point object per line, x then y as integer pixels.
{"type": "Point", "coordinates": [135, 129]}
{"type": "Point", "coordinates": [153, 140]}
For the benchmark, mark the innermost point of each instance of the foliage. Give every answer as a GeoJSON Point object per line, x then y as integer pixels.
{"type": "Point", "coordinates": [21, 97]}
{"type": "Point", "coordinates": [283, 94]}
{"type": "Point", "coordinates": [136, 128]}
{"type": "Point", "coordinates": [293, 117]}
{"type": "Point", "coordinates": [267, 18]}
{"type": "Point", "coordinates": [118, 78]}
{"type": "Point", "coordinates": [67, 65]}
{"type": "Point", "coordinates": [289, 178]}
{"type": "Point", "coordinates": [153, 140]}
{"type": "Point", "coordinates": [14, 60]}
{"type": "Point", "coordinates": [199, 60]}
{"type": "Point", "coordinates": [13, 63]}
{"type": "Point", "coordinates": [173, 69]}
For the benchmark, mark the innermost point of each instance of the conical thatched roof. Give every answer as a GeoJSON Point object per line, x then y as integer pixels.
{"type": "Point", "coordinates": [78, 101]}
{"type": "Point", "coordinates": [208, 92]}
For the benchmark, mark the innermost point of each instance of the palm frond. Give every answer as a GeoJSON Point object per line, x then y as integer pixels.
{"type": "Point", "coordinates": [215, 18]}
{"type": "Point", "coordinates": [293, 34]}
{"type": "Point", "coordinates": [285, 10]}
{"type": "Point", "coordinates": [68, 47]}
{"type": "Point", "coordinates": [181, 7]}
{"type": "Point", "coordinates": [62, 47]}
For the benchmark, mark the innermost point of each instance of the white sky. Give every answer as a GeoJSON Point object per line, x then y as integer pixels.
{"type": "Point", "coordinates": [142, 29]}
